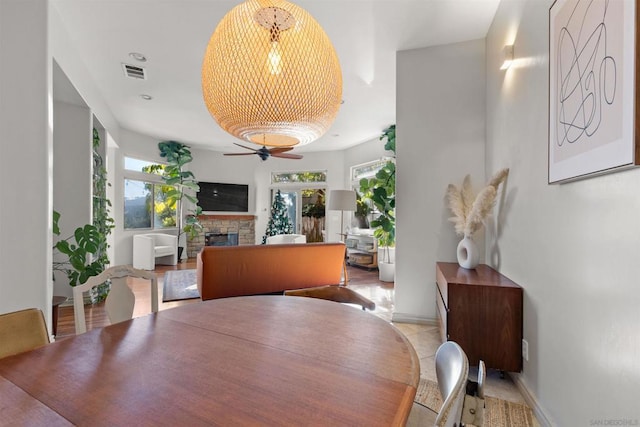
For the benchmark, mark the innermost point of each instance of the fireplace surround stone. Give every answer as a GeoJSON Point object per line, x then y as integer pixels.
{"type": "Point", "coordinates": [243, 225]}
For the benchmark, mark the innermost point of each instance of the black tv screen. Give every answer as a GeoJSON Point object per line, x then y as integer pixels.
{"type": "Point", "coordinates": [216, 196]}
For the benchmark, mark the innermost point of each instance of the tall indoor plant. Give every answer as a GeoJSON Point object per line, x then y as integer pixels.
{"type": "Point", "coordinates": [183, 187]}
{"type": "Point", "coordinates": [85, 252]}
{"type": "Point", "coordinates": [381, 190]}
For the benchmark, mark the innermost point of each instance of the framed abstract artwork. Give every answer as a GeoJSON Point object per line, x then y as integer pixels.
{"type": "Point", "coordinates": [593, 107]}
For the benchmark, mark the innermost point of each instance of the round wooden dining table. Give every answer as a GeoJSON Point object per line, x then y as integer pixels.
{"type": "Point", "coordinates": [258, 360]}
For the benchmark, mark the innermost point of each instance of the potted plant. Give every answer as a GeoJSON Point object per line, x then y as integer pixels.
{"type": "Point", "coordinates": [183, 187]}
{"type": "Point", "coordinates": [381, 190]}
{"type": "Point", "coordinates": [313, 215]}
{"type": "Point", "coordinates": [84, 254]}
{"type": "Point", "coordinates": [362, 211]}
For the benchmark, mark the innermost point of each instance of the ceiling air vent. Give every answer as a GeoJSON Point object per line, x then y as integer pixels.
{"type": "Point", "coordinates": [134, 72]}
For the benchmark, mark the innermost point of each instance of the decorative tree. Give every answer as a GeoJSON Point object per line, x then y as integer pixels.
{"type": "Point", "coordinates": [279, 223]}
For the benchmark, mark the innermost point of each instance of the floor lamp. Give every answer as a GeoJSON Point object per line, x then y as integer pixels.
{"type": "Point", "coordinates": [342, 200]}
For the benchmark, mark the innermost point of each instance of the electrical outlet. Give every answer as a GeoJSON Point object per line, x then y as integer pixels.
{"type": "Point", "coordinates": [525, 350]}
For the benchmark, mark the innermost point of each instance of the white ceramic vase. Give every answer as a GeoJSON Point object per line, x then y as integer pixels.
{"type": "Point", "coordinates": [468, 253]}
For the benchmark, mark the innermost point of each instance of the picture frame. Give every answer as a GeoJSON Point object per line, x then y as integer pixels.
{"type": "Point", "coordinates": [593, 81]}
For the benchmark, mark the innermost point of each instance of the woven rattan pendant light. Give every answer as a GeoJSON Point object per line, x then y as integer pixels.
{"type": "Point", "coordinates": [270, 74]}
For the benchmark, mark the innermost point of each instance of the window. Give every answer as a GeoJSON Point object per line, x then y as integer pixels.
{"type": "Point", "coordinates": [298, 177]}
{"type": "Point", "coordinates": [145, 196]}
{"type": "Point", "coordinates": [366, 170]}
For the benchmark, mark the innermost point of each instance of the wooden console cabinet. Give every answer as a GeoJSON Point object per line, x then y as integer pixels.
{"type": "Point", "coordinates": [481, 310]}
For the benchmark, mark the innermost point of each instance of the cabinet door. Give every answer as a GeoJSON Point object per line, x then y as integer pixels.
{"type": "Point", "coordinates": [464, 320]}
{"type": "Point", "coordinates": [487, 323]}
{"type": "Point", "coordinates": [504, 318]}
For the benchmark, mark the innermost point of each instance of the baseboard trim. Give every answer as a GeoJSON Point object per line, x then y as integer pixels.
{"type": "Point", "coordinates": [531, 400]}
{"type": "Point", "coordinates": [412, 318]}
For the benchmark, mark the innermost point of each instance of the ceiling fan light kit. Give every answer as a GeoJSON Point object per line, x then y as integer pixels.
{"type": "Point", "coordinates": [270, 75]}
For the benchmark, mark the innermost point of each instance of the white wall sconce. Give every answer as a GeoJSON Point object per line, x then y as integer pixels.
{"type": "Point", "coordinates": [507, 56]}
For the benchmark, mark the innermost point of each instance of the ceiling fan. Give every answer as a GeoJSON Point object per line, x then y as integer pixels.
{"type": "Point", "coordinates": [265, 152]}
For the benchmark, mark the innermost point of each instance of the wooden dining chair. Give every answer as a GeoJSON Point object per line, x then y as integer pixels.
{"type": "Point", "coordinates": [120, 301]}
{"type": "Point", "coordinates": [22, 331]}
{"type": "Point", "coordinates": [334, 293]}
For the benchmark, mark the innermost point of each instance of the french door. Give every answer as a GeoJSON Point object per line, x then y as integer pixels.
{"type": "Point", "coordinates": [306, 209]}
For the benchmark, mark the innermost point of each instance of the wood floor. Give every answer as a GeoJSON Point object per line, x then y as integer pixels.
{"type": "Point", "coordinates": [360, 280]}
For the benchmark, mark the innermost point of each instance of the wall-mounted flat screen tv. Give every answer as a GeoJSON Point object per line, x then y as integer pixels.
{"type": "Point", "coordinates": [216, 196]}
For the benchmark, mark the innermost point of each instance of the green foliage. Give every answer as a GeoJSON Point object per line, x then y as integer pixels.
{"type": "Point", "coordinates": [279, 223]}
{"type": "Point", "coordinates": [181, 185]}
{"type": "Point", "coordinates": [79, 249]}
{"type": "Point", "coordinates": [363, 209]}
{"type": "Point", "coordinates": [381, 190]}
{"type": "Point", "coordinates": [286, 177]}
{"type": "Point", "coordinates": [313, 210]}
{"type": "Point", "coordinates": [86, 249]}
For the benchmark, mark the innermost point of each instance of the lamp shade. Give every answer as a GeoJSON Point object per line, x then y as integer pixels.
{"type": "Point", "coordinates": [342, 200]}
{"type": "Point", "coordinates": [270, 74]}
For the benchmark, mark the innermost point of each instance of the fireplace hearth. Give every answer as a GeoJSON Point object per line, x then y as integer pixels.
{"type": "Point", "coordinates": [221, 239]}
{"type": "Point", "coordinates": [216, 228]}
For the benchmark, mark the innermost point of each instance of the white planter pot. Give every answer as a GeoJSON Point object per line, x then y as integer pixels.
{"type": "Point", "coordinates": [382, 257]}
{"type": "Point", "coordinates": [468, 253]}
{"type": "Point", "coordinates": [387, 271]}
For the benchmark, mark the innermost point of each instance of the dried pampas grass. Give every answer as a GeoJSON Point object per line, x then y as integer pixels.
{"type": "Point", "coordinates": [498, 178]}
{"type": "Point", "coordinates": [456, 204]}
{"type": "Point", "coordinates": [470, 211]}
{"type": "Point", "coordinates": [480, 210]}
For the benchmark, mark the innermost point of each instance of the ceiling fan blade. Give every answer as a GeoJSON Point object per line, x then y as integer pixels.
{"type": "Point", "coordinates": [239, 154]}
{"type": "Point", "coordinates": [244, 146]}
{"type": "Point", "coordinates": [279, 150]}
{"type": "Point", "coordinates": [286, 156]}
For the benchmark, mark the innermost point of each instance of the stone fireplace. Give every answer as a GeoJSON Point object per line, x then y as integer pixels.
{"type": "Point", "coordinates": [223, 230]}
{"type": "Point", "coordinates": [221, 239]}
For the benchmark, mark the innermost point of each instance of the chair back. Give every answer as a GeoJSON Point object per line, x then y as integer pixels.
{"type": "Point", "coordinates": [452, 371]}
{"type": "Point", "coordinates": [120, 301]}
{"type": "Point", "coordinates": [334, 293]}
{"type": "Point", "coordinates": [286, 238]}
{"type": "Point", "coordinates": [22, 331]}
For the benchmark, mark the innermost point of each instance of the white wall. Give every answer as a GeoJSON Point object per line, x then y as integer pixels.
{"type": "Point", "coordinates": [26, 157]}
{"type": "Point", "coordinates": [73, 66]}
{"type": "Point", "coordinates": [439, 139]}
{"type": "Point", "coordinates": [573, 247]}
{"type": "Point", "coordinates": [72, 176]}
{"type": "Point", "coordinates": [363, 153]}
{"type": "Point", "coordinates": [143, 147]}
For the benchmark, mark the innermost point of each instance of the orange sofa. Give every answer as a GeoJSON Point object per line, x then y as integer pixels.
{"type": "Point", "coordinates": [226, 271]}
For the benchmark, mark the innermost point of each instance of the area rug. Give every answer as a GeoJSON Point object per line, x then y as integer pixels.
{"type": "Point", "coordinates": [179, 285]}
{"type": "Point", "coordinates": [498, 412]}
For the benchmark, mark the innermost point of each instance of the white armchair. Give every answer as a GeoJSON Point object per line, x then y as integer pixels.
{"type": "Point", "coordinates": [286, 238]}
{"type": "Point", "coordinates": [154, 248]}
